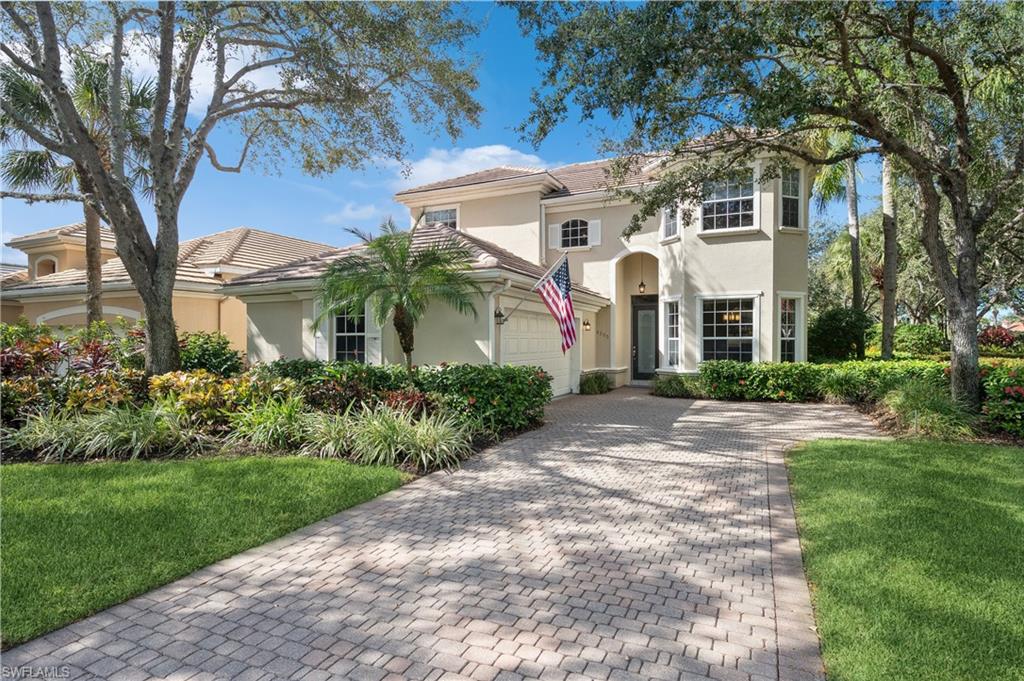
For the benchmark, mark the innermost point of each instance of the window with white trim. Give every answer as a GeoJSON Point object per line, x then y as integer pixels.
{"type": "Point", "coordinates": [790, 198]}
{"type": "Point", "coordinates": [670, 221]}
{"type": "Point", "coordinates": [787, 329]}
{"type": "Point", "coordinates": [730, 203]}
{"type": "Point", "coordinates": [350, 338]}
{"type": "Point", "coordinates": [449, 217]}
{"type": "Point", "coordinates": [672, 333]}
{"type": "Point", "coordinates": [728, 329]}
{"type": "Point", "coordinates": [574, 233]}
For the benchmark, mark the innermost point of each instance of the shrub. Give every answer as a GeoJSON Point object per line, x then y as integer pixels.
{"type": "Point", "coordinates": [334, 386]}
{"type": "Point", "coordinates": [86, 391]}
{"type": "Point", "coordinates": [922, 408]}
{"type": "Point", "coordinates": [996, 337]}
{"type": "Point", "coordinates": [409, 399]}
{"type": "Point", "coordinates": [595, 383]}
{"type": "Point", "coordinates": [326, 435]}
{"type": "Point", "coordinates": [834, 333]}
{"type": "Point", "coordinates": [209, 351]}
{"type": "Point", "coordinates": [500, 399]}
{"type": "Point", "coordinates": [274, 425]}
{"type": "Point", "coordinates": [918, 339]}
{"type": "Point", "coordinates": [49, 436]}
{"type": "Point", "coordinates": [133, 432]}
{"type": "Point", "coordinates": [1004, 404]}
{"type": "Point", "coordinates": [383, 436]}
{"type": "Point", "coordinates": [679, 385]}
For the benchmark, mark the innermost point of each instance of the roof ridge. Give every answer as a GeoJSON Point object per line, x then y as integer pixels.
{"type": "Point", "coordinates": [235, 244]}
{"type": "Point", "coordinates": [190, 248]}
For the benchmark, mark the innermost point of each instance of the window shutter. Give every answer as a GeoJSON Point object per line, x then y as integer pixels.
{"type": "Point", "coordinates": [321, 342]}
{"type": "Point", "coordinates": [594, 232]}
{"type": "Point", "coordinates": [373, 338]}
{"type": "Point", "coordinates": [555, 235]}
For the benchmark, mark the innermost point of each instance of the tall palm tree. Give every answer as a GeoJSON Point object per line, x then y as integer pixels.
{"type": "Point", "coordinates": [25, 167]}
{"type": "Point", "coordinates": [835, 183]}
{"type": "Point", "coordinates": [399, 278]}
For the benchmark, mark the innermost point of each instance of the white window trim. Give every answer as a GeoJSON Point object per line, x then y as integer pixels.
{"type": "Point", "coordinates": [804, 217]}
{"type": "Point", "coordinates": [591, 223]}
{"type": "Point", "coordinates": [801, 324]}
{"type": "Point", "coordinates": [333, 350]}
{"type": "Point", "coordinates": [666, 239]}
{"type": "Point", "coordinates": [698, 311]}
{"type": "Point", "coordinates": [755, 169]}
{"type": "Point", "coordinates": [450, 206]}
{"type": "Point", "coordinates": [45, 258]}
{"type": "Point", "coordinates": [663, 334]}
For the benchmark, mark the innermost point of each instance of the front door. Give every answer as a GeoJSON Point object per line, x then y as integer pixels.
{"type": "Point", "coordinates": [645, 337]}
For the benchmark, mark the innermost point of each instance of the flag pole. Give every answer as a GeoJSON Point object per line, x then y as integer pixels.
{"type": "Point", "coordinates": [547, 274]}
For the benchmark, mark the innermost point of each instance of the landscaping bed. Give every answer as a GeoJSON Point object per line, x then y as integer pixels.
{"type": "Point", "coordinates": [915, 554]}
{"type": "Point", "coordinates": [80, 538]}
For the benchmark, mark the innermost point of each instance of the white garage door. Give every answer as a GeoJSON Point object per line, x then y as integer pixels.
{"type": "Point", "coordinates": [531, 338]}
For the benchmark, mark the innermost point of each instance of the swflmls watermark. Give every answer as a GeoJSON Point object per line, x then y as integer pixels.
{"type": "Point", "coordinates": [31, 672]}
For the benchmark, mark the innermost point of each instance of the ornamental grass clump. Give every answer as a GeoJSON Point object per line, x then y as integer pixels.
{"type": "Point", "coordinates": [922, 409]}
{"type": "Point", "coordinates": [271, 426]}
{"type": "Point", "coordinates": [384, 436]}
{"type": "Point", "coordinates": [325, 435]}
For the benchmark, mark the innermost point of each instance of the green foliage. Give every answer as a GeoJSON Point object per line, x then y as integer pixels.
{"type": "Point", "coordinates": [787, 382]}
{"type": "Point", "coordinates": [503, 399]}
{"type": "Point", "coordinates": [48, 436]}
{"type": "Point", "coordinates": [271, 426]}
{"type": "Point", "coordinates": [205, 399]}
{"type": "Point", "coordinates": [835, 333]}
{"type": "Point", "coordinates": [336, 386]}
{"type": "Point", "coordinates": [209, 351]}
{"type": "Point", "coordinates": [327, 435]}
{"type": "Point", "coordinates": [679, 385]}
{"type": "Point", "coordinates": [918, 339]}
{"type": "Point", "coordinates": [396, 437]}
{"type": "Point", "coordinates": [1004, 406]}
{"type": "Point", "coordinates": [922, 408]}
{"type": "Point", "coordinates": [595, 383]}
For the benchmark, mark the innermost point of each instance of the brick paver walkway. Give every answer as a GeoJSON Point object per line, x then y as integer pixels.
{"type": "Point", "coordinates": [630, 538]}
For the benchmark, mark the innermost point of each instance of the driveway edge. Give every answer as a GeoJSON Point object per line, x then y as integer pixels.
{"type": "Point", "coordinates": [797, 643]}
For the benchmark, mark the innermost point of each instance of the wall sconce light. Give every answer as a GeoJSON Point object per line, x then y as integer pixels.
{"type": "Point", "coordinates": [499, 317]}
{"type": "Point", "coordinates": [586, 325]}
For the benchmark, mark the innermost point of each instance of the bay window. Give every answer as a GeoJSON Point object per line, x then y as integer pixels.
{"type": "Point", "coordinates": [672, 327]}
{"type": "Point", "coordinates": [729, 203]}
{"type": "Point", "coordinates": [727, 329]}
{"type": "Point", "coordinates": [790, 198]}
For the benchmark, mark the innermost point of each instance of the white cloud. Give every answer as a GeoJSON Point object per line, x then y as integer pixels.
{"type": "Point", "coordinates": [351, 212]}
{"type": "Point", "coordinates": [440, 164]}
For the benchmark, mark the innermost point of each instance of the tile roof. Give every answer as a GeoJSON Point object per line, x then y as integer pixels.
{"type": "Point", "coordinates": [478, 177]}
{"type": "Point", "coordinates": [75, 229]}
{"type": "Point", "coordinates": [575, 178]}
{"type": "Point", "coordinates": [242, 247]}
{"type": "Point", "coordinates": [485, 254]}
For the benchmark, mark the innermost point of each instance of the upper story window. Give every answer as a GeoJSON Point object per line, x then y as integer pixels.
{"type": "Point", "coordinates": [449, 217]}
{"type": "Point", "coordinates": [670, 221]}
{"type": "Point", "coordinates": [350, 338]}
{"type": "Point", "coordinates": [730, 203]}
{"type": "Point", "coordinates": [575, 233]}
{"type": "Point", "coordinates": [791, 198]}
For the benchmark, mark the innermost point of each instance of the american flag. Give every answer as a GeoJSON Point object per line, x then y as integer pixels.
{"type": "Point", "coordinates": [556, 290]}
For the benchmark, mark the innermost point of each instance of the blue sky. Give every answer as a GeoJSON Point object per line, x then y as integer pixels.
{"type": "Point", "coordinates": [320, 208]}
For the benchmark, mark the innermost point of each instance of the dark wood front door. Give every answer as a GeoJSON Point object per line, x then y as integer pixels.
{"type": "Point", "coordinates": [644, 337]}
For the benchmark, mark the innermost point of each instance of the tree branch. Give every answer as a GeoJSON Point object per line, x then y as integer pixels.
{"type": "Point", "coordinates": [241, 160]}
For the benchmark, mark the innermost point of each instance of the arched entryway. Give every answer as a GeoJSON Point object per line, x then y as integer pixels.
{"type": "Point", "coordinates": [636, 314]}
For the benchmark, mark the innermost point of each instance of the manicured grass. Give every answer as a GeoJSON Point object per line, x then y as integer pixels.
{"type": "Point", "coordinates": [80, 538]}
{"type": "Point", "coordinates": [915, 554]}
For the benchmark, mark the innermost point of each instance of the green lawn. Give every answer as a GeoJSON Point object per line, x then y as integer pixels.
{"type": "Point", "coordinates": [79, 538]}
{"type": "Point", "coordinates": [915, 554]}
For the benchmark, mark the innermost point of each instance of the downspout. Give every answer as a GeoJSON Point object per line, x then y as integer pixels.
{"type": "Point", "coordinates": [491, 330]}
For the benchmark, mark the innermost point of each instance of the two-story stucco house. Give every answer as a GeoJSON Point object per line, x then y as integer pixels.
{"type": "Point", "coordinates": [731, 284]}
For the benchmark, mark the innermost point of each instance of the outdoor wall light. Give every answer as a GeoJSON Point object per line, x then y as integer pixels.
{"type": "Point", "coordinates": [586, 325]}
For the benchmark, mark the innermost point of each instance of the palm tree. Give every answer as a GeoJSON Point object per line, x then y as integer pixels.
{"type": "Point", "coordinates": [399, 278]}
{"type": "Point", "coordinates": [27, 168]}
{"type": "Point", "coordinates": [890, 254]}
{"type": "Point", "coordinates": [834, 183]}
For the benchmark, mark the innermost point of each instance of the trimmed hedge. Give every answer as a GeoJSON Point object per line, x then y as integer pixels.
{"type": "Point", "coordinates": [849, 382]}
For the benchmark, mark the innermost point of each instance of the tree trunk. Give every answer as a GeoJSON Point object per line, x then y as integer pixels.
{"type": "Point", "coordinates": [889, 257]}
{"type": "Point", "coordinates": [964, 375]}
{"type": "Point", "coordinates": [93, 252]}
{"type": "Point", "coordinates": [161, 337]}
{"type": "Point", "coordinates": [404, 328]}
{"type": "Point", "coordinates": [853, 226]}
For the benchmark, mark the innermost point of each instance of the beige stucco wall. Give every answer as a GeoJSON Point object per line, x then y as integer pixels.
{"type": "Point", "coordinates": [68, 256]}
{"type": "Point", "coordinates": [10, 311]}
{"type": "Point", "coordinates": [444, 335]}
{"type": "Point", "coordinates": [274, 330]}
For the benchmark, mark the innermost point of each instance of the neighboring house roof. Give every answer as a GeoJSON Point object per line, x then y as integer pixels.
{"type": "Point", "coordinates": [75, 231]}
{"type": "Point", "coordinates": [7, 268]}
{"type": "Point", "coordinates": [486, 256]}
{"type": "Point", "coordinates": [12, 274]}
{"type": "Point", "coordinates": [576, 178]}
{"type": "Point", "coordinates": [242, 249]}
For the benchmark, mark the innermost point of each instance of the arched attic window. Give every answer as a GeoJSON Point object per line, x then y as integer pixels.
{"type": "Point", "coordinates": [45, 264]}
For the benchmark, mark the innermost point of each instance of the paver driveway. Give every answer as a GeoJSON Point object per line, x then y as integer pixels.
{"type": "Point", "coordinates": [630, 538]}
